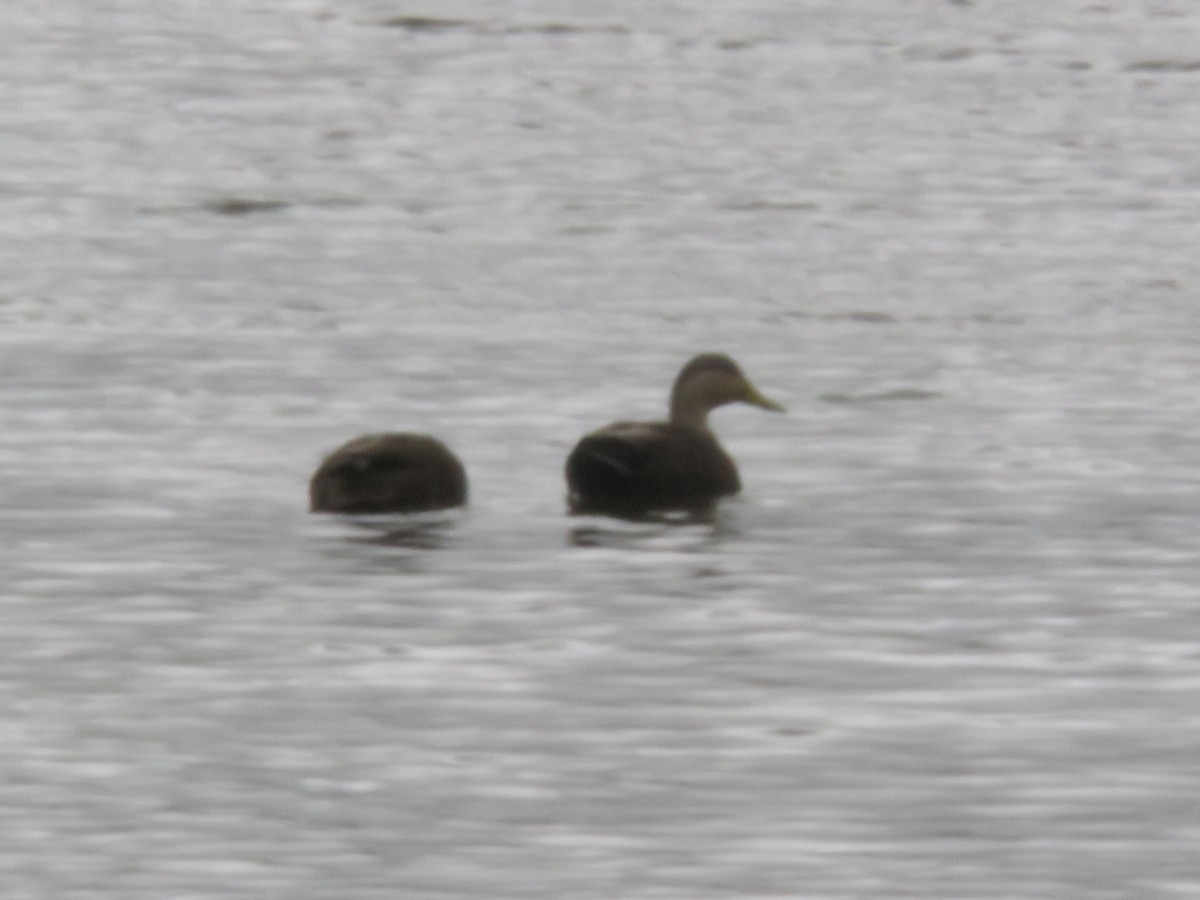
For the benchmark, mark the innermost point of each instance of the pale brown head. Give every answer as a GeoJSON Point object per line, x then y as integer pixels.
{"type": "Point", "coordinates": [708, 381]}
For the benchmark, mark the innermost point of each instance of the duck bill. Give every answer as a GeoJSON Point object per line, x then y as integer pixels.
{"type": "Point", "coordinates": [755, 398]}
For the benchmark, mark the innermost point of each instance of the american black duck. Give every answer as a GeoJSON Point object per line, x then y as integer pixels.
{"type": "Point", "coordinates": [388, 473]}
{"type": "Point", "coordinates": [632, 468]}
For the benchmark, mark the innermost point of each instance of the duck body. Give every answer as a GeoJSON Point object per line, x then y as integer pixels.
{"type": "Point", "coordinates": [396, 472]}
{"type": "Point", "coordinates": [644, 466]}
{"type": "Point", "coordinates": [631, 468]}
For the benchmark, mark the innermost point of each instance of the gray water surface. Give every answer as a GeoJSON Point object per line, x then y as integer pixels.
{"type": "Point", "coordinates": [944, 645]}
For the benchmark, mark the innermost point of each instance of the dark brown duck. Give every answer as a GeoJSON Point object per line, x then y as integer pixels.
{"type": "Point", "coordinates": [630, 468]}
{"type": "Point", "coordinates": [388, 473]}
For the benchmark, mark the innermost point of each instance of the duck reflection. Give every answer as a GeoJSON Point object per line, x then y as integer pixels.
{"type": "Point", "coordinates": [697, 529]}
{"type": "Point", "coordinates": [407, 532]}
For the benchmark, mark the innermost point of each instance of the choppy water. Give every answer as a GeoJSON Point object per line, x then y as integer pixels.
{"type": "Point", "coordinates": [944, 645]}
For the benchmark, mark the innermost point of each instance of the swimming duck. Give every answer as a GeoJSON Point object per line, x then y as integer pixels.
{"type": "Point", "coordinates": [398, 472]}
{"type": "Point", "coordinates": [630, 468]}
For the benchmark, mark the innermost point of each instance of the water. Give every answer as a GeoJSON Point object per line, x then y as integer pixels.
{"type": "Point", "coordinates": [944, 645]}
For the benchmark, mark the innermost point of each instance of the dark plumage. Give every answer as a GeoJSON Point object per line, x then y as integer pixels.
{"type": "Point", "coordinates": [631, 468]}
{"type": "Point", "coordinates": [388, 473]}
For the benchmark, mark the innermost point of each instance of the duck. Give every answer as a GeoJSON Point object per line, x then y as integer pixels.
{"type": "Point", "coordinates": [393, 472]}
{"type": "Point", "coordinates": [635, 468]}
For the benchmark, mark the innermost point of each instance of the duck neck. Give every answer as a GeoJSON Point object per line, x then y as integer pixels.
{"type": "Point", "coordinates": [689, 415]}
